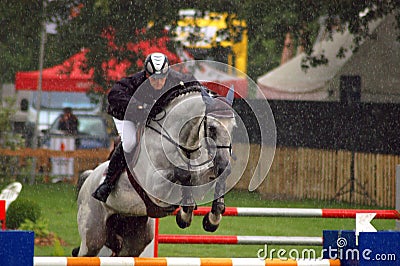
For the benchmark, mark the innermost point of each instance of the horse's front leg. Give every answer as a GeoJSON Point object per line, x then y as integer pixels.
{"type": "Point", "coordinates": [184, 216]}
{"type": "Point", "coordinates": [212, 219]}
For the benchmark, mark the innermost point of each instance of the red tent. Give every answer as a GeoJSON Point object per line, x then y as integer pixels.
{"type": "Point", "coordinates": [69, 76]}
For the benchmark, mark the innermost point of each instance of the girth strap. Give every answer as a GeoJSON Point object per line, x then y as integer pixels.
{"type": "Point", "coordinates": [153, 210]}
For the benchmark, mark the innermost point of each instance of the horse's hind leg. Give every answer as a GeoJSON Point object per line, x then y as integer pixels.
{"type": "Point", "coordinates": [92, 243]}
{"type": "Point", "coordinates": [114, 238]}
{"type": "Point", "coordinates": [92, 228]}
{"type": "Point", "coordinates": [75, 252]}
{"type": "Point", "coordinates": [137, 233]}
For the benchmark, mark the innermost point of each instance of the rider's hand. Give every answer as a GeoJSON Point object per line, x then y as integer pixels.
{"type": "Point", "coordinates": [137, 111]}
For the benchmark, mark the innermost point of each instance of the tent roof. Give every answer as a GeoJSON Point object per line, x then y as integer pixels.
{"type": "Point", "coordinates": [69, 75]}
{"type": "Point", "coordinates": [290, 81]}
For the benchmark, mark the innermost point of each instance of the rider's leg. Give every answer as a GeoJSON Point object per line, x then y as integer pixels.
{"type": "Point", "coordinates": [115, 166]}
{"type": "Point", "coordinates": [117, 162]}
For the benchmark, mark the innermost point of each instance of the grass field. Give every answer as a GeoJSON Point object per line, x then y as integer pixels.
{"type": "Point", "coordinates": [59, 207]}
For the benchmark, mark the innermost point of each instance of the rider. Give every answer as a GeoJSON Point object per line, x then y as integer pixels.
{"type": "Point", "coordinates": [155, 79]}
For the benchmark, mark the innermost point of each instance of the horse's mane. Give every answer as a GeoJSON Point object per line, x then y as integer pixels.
{"type": "Point", "coordinates": [174, 92]}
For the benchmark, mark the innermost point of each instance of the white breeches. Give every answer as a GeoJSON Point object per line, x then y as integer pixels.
{"type": "Point", "coordinates": [127, 130]}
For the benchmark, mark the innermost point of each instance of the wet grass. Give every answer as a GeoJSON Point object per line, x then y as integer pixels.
{"type": "Point", "coordinates": [59, 208]}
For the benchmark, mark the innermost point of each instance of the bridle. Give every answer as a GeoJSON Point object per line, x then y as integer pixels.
{"type": "Point", "coordinates": [189, 151]}
{"type": "Point", "coordinates": [206, 137]}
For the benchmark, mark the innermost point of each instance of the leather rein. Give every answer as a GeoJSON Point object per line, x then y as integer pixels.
{"type": "Point", "coordinates": [187, 151]}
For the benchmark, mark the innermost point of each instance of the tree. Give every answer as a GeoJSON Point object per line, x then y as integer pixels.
{"type": "Point", "coordinates": [106, 27]}
{"type": "Point", "coordinates": [20, 27]}
{"type": "Point", "coordinates": [270, 20]}
{"type": "Point", "coordinates": [19, 45]}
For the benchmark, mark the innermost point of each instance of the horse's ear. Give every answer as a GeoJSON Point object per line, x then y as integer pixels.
{"type": "Point", "coordinates": [206, 97]}
{"type": "Point", "coordinates": [230, 95]}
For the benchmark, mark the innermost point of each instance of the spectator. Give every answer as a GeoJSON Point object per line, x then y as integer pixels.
{"type": "Point", "coordinates": [68, 122]}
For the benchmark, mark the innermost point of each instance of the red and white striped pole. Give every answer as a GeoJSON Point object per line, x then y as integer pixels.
{"type": "Point", "coordinates": [240, 240]}
{"type": "Point", "coordinates": [300, 212]}
{"type": "Point", "coordinates": [268, 212]}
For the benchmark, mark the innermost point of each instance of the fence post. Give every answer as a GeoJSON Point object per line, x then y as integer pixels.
{"type": "Point", "coordinates": [398, 195]}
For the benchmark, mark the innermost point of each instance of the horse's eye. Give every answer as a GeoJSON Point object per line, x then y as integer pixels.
{"type": "Point", "coordinates": [212, 128]}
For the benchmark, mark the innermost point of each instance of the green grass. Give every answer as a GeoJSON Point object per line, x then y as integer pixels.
{"type": "Point", "coordinates": [59, 207]}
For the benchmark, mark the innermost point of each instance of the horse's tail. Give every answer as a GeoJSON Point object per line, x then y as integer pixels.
{"type": "Point", "coordinates": [82, 178]}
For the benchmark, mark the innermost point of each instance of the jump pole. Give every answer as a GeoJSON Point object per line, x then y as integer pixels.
{"type": "Point", "coordinates": [301, 212]}
{"type": "Point", "coordinates": [240, 240]}
{"type": "Point", "coordinates": [178, 261]}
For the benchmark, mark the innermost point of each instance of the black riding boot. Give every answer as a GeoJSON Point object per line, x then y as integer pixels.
{"type": "Point", "coordinates": [115, 167]}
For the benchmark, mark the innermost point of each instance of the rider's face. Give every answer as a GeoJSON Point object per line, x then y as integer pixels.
{"type": "Point", "coordinates": [157, 84]}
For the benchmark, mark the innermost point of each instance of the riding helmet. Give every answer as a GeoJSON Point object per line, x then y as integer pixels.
{"type": "Point", "coordinates": [156, 65]}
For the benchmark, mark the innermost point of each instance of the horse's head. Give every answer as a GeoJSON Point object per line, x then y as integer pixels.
{"type": "Point", "coordinates": [218, 125]}
{"type": "Point", "coordinates": [188, 143]}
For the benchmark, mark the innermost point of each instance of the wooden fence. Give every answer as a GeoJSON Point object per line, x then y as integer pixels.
{"type": "Point", "coordinates": [83, 160]}
{"type": "Point", "coordinates": [302, 173]}
{"type": "Point", "coordinates": [296, 173]}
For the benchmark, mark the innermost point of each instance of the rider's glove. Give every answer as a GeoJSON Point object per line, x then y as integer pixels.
{"type": "Point", "coordinates": [137, 112]}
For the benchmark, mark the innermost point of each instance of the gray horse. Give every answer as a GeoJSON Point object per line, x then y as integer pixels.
{"type": "Point", "coordinates": [183, 160]}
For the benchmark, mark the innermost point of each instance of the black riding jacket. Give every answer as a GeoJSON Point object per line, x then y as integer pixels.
{"type": "Point", "coordinates": [138, 86]}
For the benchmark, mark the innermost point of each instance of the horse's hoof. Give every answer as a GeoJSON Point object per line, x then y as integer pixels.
{"type": "Point", "coordinates": [180, 222]}
{"type": "Point", "coordinates": [207, 225]}
{"type": "Point", "coordinates": [75, 252]}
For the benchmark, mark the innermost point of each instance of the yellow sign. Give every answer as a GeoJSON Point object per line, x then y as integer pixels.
{"type": "Point", "coordinates": [216, 36]}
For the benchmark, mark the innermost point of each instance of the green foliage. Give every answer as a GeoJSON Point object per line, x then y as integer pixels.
{"type": "Point", "coordinates": [21, 210]}
{"type": "Point", "coordinates": [7, 110]}
{"type": "Point", "coordinates": [8, 139]}
{"type": "Point", "coordinates": [268, 21]}
{"type": "Point", "coordinates": [40, 227]}
{"type": "Point", "coordinates": [58, 250]}
{"type": "Point", "coordinates": [19, 31]}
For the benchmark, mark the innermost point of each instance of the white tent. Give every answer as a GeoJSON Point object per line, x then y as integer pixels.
{"type": "Point", "coordinates": [290, 82]}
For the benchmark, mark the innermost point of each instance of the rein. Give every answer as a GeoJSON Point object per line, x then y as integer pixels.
{"type": "Point", "coordinates": [188, 151]}
{"type": "Point", "coordinates": [167, 136]}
